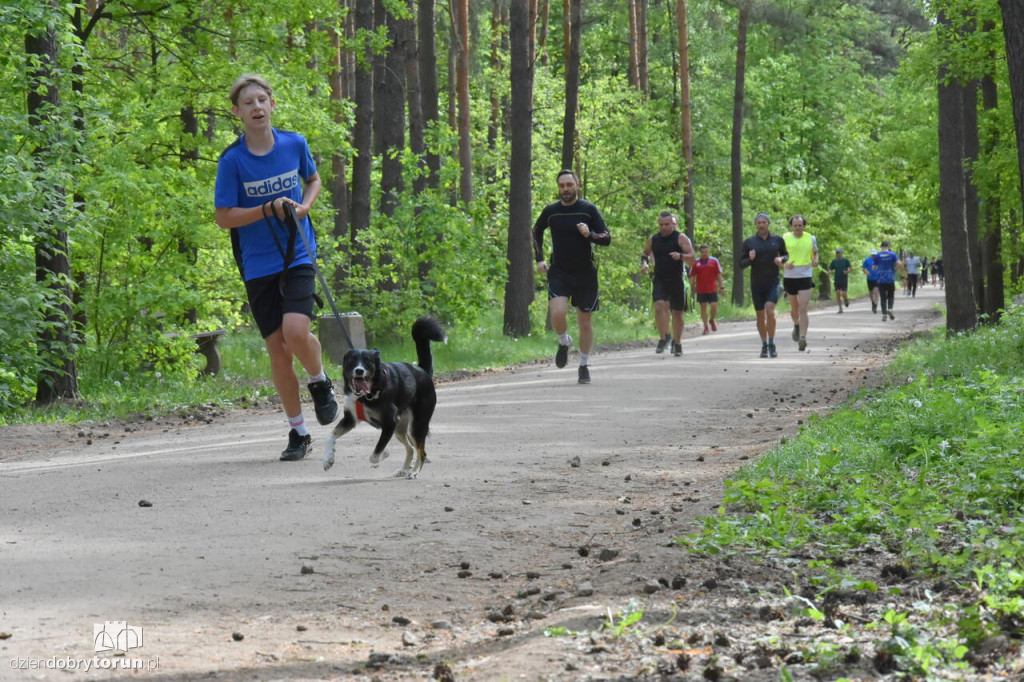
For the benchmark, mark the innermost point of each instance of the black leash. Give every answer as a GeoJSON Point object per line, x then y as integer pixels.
{"type": "Point", "coordinates": [292, 223]}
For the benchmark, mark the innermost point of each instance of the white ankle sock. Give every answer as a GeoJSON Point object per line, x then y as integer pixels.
{"type": "Point", "coordinates": [319, 377]}
{"type": "Point", "coordinates": [584, 359]}
{"type": "Point", "coordinates": [564, 340]}
{"type": "Point", "coordinates": [299, 424]}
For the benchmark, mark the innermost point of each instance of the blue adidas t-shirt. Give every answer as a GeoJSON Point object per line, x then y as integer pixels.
{"type": "Point", "coordinates": [245, 180]}
{"type": "Point", "coordinates": [886, 262]}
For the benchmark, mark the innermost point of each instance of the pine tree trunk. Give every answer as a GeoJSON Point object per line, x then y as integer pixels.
{"type": "Point", "coordinates": [572, 83]}
{"type": "Point", "coordinates": [642, 50]}
{"type": "Point", "coordinates": [961, 309]}
{"type": "Point", "coordinates": [736, 158]}
{"type": "Point", "coordinates": [362, 131]}
{"type": "Point", "coordinates": [992, 244]}
{"type": "Point", "coordinates": [427, 54]}
{"type": "Point", "coordinates": [519, 286]}
{"type": "Point", "coordinates": [1013, 33]}
{"type": "Point", "coordinates": [685, 116]}
{"type": "Point", "coordinates": [338, 80]}
{"type": "Point", "coordinates": [390, 112]}
{"type": "Point", "coordinates": [633, 75]}
{"type": "Point", "coordinates": [58, 375]}
{"type": "Point", "coordinates": [462, 93]}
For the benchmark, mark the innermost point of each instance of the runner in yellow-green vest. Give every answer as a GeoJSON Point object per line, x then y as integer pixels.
{"type": "Point", "coordinates": [798, 275]}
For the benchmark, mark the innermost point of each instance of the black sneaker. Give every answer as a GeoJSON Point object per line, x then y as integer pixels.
{"type": "Point", "coordinates": [324, 403]}
{"type": "Point", "coordinates": [677, 349]}
{"type": "Point", "coordinates": [662, 344]}
{"type": "Point", "coordinates": [584, 374]}
{"type": "Point", "coordinates": [874, 308]}
{"type": "Point", "coordinates": [297, 448]}
{"type": "Point", "coordinates": [764, 350]}
{"type": "Point", "coordinates": [796, 332]}
{"type": "Point", "coordinates": [562, 355]}
{"type": "Point", "coordinates": [891, 316]}
{"type": "Point", "coordinates": [772, 353]}
{"type": "Point", "coordinates": [803, 343]}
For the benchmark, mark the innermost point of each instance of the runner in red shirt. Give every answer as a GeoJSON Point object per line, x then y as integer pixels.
{"type": "Point", "coordinates": [706, 279]}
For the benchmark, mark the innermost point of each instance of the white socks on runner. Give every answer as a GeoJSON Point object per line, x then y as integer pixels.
{"type": "Point", "coordinates": [299, 424]}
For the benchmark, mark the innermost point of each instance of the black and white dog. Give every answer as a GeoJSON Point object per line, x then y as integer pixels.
{"type": "Point", "coordinates": [396, 397]}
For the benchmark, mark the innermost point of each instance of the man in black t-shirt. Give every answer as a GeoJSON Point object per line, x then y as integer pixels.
{"type": "Point", "coordinates": [576, 225]}
{"type": "Point", "coordinates": [764, 253]}
{"type": "Point", "coordinates": [671, 250]}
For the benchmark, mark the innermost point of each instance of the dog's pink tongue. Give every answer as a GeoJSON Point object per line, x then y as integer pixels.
{"type": "Point", "coordinates": [362, 386]}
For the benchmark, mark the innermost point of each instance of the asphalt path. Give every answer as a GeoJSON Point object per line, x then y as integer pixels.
{"type": "Point", "coordinates": [236, 556]}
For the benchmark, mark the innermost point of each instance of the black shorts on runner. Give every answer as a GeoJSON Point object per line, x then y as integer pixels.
{"type": "Point", "coordinates": [269, 304]}
{"type": "Point", "coordinates": [762, 294]}
{"type": "Point", "coordinates": [671, 290]}
{"type": "Point", "coordinates": [794, 285]}
{"type": "Point", "coordinates": [708, 298]}
{"type": "Point", "coordinates": [872, 284]}
{"type": "Point", "coordinates": [579, 287]}
{"type": "Point", "coordinates": [840, 284]}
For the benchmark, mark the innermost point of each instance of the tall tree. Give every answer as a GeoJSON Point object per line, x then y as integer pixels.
{"type": "Point", "coordinates": [58, 376]}
{"type": "Point", "coordinates": [462, 94]}
{"type": "Point", "coordinates": [1013, 32]}
{"type": "Point", "coordinates": [362, 128]}
{"type": "Point", "coordinates": [642, 48]}
{"type": "Point", "coordinates": [390, 112]}
{"type": "Point", "coordinates": [573, 22]}
{"type": "Point", "coordinates": [519, 285]}
{"type": "Point", "coordinates": [961, 306]}
{"type": "Point", "coordinates": [633, 70]}
{"type": "Point", "coordinates": [427, 53]}
{"type": "Point", "coordinates": [736, 162]}
{"type": "Point", "coordinates": [685, 111]}
{"type": "Point", "coordinates": [338, 80]}
{"type": "Point", "coordinates": [992, 243]}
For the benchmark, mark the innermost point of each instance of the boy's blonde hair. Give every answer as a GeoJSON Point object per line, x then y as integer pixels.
{"type": "Point", "coordinates": [244, 81]}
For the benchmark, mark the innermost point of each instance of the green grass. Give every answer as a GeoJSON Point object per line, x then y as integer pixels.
{"type": "Point", "coordinates": [929, 468]}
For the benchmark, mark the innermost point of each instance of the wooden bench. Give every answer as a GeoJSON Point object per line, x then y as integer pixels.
{"type": "Point", "coordinates": [207, 346]}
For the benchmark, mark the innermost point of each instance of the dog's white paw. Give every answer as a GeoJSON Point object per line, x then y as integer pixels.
{"type": "Point", "coordinates": [401, 473]}
{"type": "Point", "coordinates": [376, 459]}
{"type": "Point", "coordinates": [411, 475]}
{"type": "Point", "coordinates": [329, 454]}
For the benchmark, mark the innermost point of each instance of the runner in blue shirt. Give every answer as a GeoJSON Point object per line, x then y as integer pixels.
{"type": "Point", "coordinates": [257, 175]}
{"type": "Point", "coordinates": [870, 271]}
{"type": "Point", "coordinates": [887, 262]}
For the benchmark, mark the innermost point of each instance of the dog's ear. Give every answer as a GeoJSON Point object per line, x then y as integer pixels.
{"type": "Point", "coordinates": [348, 354]}
{"type": "Point", "coordinates": [375, 359]}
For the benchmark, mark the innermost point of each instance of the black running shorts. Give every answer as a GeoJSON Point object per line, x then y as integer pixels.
{"type": "Point", "coordinates": [794, 285]}
{"type": "Point", "coordinates": [671, 290]}
{"type": "Point", "coordinates": [579, 287]}
{"type": "Point", "coordinates": [761, 294]}
{"type": "Point", "coordinates": [271, 297]}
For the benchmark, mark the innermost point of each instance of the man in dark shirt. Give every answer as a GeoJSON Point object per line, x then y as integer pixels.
{"type": "Point", "coordinates": [764, 253]}
{"type": "Point", "coordinates": [671, 250]}
{"type": "Point", "coordinates": [575, 226]}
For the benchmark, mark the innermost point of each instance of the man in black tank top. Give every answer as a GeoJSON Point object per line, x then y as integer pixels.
{"type": "Point", "coordinates": [576, 226]}
{"type": "Point", "coordinates": [671, 249]}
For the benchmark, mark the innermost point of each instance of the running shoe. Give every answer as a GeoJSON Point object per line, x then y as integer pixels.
{"type": "Point", "coordinates": [840, 311]}
{"type": "Point", "coordinates": [764, 350]}
{"type": "Point", "coordinates": [772, 353]}
{"type": "Point", "coordinates": [297, 448]}
{"type": "Point", "coordinates": [663, 343]}
{"type": "Point", "coordinates": [562, 355]}
{"type": "Point", "coordinates": [584, 374]}
{"type": "Point", "coordinates": [677, 349]}
{"type": "Point", "coordinates": [706, 331]}
{"type": "Point", "coordinates": [846, 302]}
{"type": "Point", "coordinates": [891, 316]}
{"type": "Point", "coordinates": [796, 332]}
{"type": "Point", "coordinates": [714, 327]}
{"type": "Point", "coordinates": [874, 307]}
{"type": "Point", "coordinates": [802, 343]}
{"type": "Point", "coordinates": [324, 403]}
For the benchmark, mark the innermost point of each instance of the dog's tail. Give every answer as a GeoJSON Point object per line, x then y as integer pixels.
{"type": "Point", "coordinates": [424, 330]}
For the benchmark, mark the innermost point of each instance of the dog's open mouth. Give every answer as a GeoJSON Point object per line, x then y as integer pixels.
{"type": "Point", "coordinates": [361, 386]}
